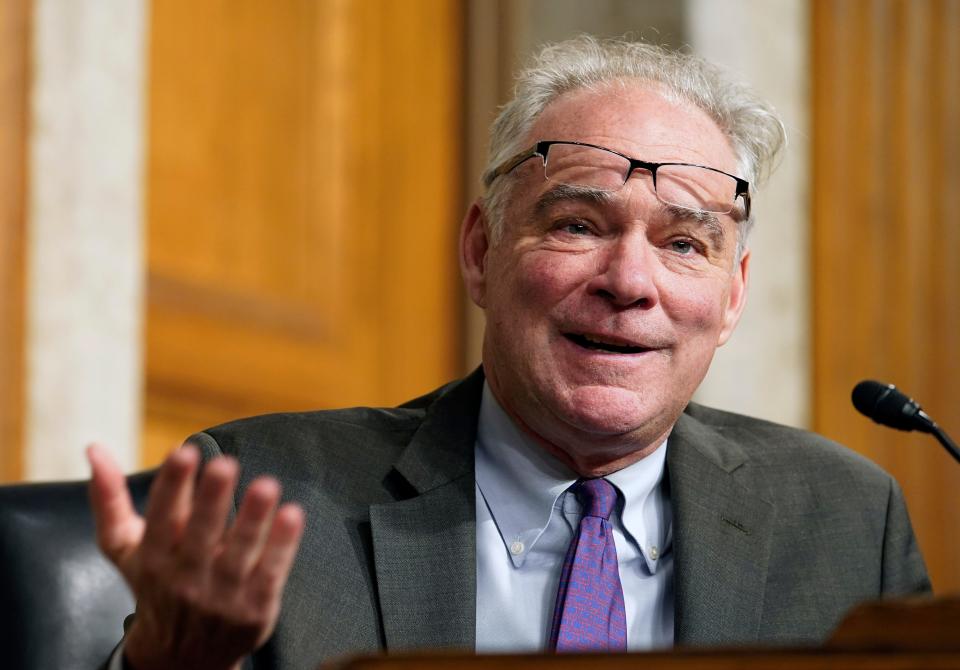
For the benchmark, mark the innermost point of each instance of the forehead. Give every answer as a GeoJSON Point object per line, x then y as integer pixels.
{"type": "Point", "coordinates": [639, 119]}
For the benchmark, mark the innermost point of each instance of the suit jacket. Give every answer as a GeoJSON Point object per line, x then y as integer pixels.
{"type": "Point", "coordinates": [777, 532]}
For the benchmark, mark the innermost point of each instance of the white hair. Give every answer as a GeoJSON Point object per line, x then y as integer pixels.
{"type": "Point", "coordinates": [753, 128]}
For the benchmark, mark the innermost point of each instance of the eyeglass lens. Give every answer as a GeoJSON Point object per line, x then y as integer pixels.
{"type": "Point", "coordinates": [687, 186]}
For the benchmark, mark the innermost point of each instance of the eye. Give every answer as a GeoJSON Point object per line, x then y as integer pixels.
{"type": "Point", "coordinates": [683, 247]}
{"type": "Point", "coordinates": [574, 227]}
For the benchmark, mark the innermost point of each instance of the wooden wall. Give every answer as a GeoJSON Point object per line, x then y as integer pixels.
{"type": "Point", "coordinates": [304, 195]}
{"type": "Point", "coordinates": [886, 194]}
{"type": "Point", "coordinates": [14, 76]}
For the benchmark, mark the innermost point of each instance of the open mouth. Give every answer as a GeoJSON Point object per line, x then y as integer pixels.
{"type": "Point", "coordinates": [596, 344]}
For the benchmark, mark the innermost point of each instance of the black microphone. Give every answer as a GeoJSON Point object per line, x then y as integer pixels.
{"type": "Point", "coordinates": [888, 406]}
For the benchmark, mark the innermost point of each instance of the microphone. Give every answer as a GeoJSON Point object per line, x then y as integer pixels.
{"type": "Point", "coordinates": [889, 406]}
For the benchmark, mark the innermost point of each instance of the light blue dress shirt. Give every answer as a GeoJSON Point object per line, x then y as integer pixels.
{"type": "Point", "coordinates": [525, 522]}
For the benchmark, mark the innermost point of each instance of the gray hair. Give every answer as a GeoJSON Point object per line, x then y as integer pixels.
{"type": "Point", "coordinates": [751, 124]}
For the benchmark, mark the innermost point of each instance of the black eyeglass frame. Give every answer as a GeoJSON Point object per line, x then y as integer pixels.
{"type": "Point", "coordinates": [542, 148]}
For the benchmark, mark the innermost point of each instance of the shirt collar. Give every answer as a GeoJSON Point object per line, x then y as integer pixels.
{"type": "Point", "coordinates": [521, 484]}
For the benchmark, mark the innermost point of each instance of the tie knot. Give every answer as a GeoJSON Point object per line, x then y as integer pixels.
{"type": "Point", "coordinates": [598, 496]}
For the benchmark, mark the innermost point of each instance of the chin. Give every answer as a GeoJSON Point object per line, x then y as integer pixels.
{"type": "Point", "coordinates": [610, 411]}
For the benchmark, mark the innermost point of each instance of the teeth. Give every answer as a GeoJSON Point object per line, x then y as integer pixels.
{"type": "Point", "coordinates": [596, 341]}
{"type": "Point", "coordinates": [592, 343]}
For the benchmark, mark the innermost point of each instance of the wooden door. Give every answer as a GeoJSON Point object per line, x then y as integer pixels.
{"type": "Point", "coordinates": [14, 80]}
{"type": "Point", "coordinates": [886, 271]}
{"type": "Point", "coordinates": [303, 204]}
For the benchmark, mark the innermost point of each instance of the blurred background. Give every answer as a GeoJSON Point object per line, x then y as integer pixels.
{"type": "Point", "coordinates": [215, 208]}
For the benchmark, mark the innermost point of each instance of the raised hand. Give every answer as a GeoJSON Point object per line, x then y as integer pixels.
{"type": "Point", "coordinates": [207, 593]}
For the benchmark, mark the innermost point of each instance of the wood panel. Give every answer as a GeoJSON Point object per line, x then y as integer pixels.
{"type": "Point", "coordinates": [886, 271]}
{"type": "Point", "coordinates": [14, 88]}
{"type": "Point", "coordinates": [304, 186]}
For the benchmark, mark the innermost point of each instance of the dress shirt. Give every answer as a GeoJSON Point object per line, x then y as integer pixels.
{"type": "Point", "coordinates": [526, 519]}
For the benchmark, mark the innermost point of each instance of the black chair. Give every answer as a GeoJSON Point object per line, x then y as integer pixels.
{"type": "Point", "coordinates": [63, 603]}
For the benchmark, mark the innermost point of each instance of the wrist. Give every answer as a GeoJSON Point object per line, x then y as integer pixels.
{"type": "Point", "coordinates": [140, 652]}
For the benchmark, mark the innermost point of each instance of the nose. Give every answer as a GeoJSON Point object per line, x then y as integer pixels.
{"type": "Point", "coordinates": [625, 274]}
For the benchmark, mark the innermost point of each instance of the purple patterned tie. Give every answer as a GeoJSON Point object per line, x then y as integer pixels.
{"type": "Point", "coordinates": [589, 614]}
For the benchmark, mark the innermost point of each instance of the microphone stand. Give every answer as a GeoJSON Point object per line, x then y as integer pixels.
{"type": "Point", "coordinates": [888, 406]}
{"type": "Point", "coordinates": [924, 423]}
{"type": "Point", "coordinates": [945, 440]}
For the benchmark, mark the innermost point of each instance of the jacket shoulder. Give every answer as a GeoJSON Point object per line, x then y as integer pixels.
{"type": "Point", "coordinates": [345, 450]}
{"type": "Point", "coordinates": [790, 453]}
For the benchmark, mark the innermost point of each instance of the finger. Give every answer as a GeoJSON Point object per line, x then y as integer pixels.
{"type": "Point", "coordinates": [169, 504]}
{"type": "Point", "coordinates": [244, 541]}
{"type": "Point", "coordinates": [209, 517]}
{"type": "Point", "coordinates": [270, 574]}
{"type": "Point", "coordinates": [119, 527]}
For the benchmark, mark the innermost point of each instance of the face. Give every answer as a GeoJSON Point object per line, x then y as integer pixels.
{"type": "Point", "coordinates": [603, 313]}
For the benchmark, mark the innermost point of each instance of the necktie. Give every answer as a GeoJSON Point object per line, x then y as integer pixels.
{"type": "Point", "coordinates": [589, 614]}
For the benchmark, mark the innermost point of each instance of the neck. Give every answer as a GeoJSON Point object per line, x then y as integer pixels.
{"type": "Point", "coordinates": [601, 457]}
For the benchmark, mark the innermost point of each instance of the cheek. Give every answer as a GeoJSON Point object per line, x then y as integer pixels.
{"type": "Point", "coordinates": [538, 281]}
{"type": "Point", "coordinates": [541, 279]}
{"type": "Point", "coordinates": [699, 309]}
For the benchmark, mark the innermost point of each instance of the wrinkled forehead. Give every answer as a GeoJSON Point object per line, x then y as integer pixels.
{"type": "Point", "coordinates": [641, 119]}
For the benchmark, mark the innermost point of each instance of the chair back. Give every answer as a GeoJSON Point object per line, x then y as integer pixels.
{"type": "Point", "coordinates": [63, 603]}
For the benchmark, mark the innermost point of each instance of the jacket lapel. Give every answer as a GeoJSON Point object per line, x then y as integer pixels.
{"type": "Point", "coordinates": [425, 545]}
{"type": "Point", "coordinates": [722, 536]}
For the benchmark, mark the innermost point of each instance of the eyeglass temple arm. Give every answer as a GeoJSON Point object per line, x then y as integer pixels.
{"type": "Point", "coordinates": [743, 190]}
{"type": "Point", "coordinates": [512, 163]}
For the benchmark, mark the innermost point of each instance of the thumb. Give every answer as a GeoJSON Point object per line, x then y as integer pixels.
{"type": "Point", "coordinates": [119, 527]}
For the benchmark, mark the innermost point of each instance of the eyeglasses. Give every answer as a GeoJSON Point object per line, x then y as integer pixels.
{"type": "Point", "coordinates": [685, 185]}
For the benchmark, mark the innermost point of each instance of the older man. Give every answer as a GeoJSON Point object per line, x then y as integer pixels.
{"type": "Point", "coordinates": [568, 495]}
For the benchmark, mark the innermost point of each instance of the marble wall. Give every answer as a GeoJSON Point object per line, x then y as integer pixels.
{"type": "Point", "coordinates": [764, 370]}
{"type": "Point", "coordinates": [85, 230]}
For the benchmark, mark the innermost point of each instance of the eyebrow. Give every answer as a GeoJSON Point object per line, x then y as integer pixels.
{"type": "Point", "coordinates": [708, 220]}
{"type": "Point", "coordinates": [567, 193]}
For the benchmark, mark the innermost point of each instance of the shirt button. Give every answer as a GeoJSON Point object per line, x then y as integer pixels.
{"type": "Point", "coordinates": [516, 548]}
{"type": "Point", "coordinates": [654, 552]}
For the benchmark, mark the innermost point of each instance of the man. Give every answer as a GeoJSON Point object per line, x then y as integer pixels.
{"type": "Point", "coordinates": [609, 256]}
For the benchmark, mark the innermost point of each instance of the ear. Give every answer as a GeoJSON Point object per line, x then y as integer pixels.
{"type": "Point", "coordinates": [474, 244]}
{"type": "Point", "coordinates": [737, 299]}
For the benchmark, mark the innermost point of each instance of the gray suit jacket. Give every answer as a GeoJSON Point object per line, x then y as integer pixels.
{"type": "Point", "coordinates": [777, 532]}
